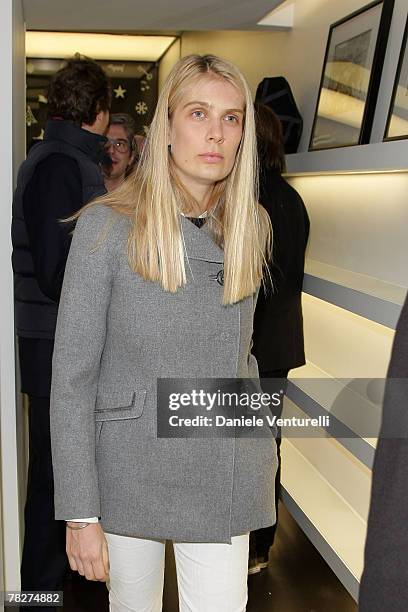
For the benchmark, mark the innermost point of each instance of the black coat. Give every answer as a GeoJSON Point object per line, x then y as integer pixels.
{"type": "Point", "coordinates": [60, 174]}
{"type": "Point", "coordinates": [278, 322]}
{"type": "Point", "coordinates": [384, 584]}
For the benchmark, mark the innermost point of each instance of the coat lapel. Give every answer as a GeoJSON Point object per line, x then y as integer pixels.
{"type": "Point", "coordinates": [199, 244]}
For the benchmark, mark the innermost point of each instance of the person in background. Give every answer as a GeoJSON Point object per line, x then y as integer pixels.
{"type": "Point", "coordinates": [161, 282]}
{"type": "Point", "coordinates": [121, 148]}
{"type": "Point", "coordinates": [60, 174]}
{"type": "Point", "coordinates": [384, 583]}
{"type": "Point", "coordinates": [278, 323]}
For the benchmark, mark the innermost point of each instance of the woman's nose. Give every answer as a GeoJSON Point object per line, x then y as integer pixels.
{"type": "Point", "coordinates": [216, 131]}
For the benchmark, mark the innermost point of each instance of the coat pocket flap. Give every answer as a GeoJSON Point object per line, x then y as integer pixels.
{"type": "Point", "coordinates": [119, 405]}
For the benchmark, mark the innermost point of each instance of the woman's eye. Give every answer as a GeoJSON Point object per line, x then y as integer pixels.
{"type": "Point", "coordinates": [198, 114]}
{"type": "Point", "coordinates": [232, 119]}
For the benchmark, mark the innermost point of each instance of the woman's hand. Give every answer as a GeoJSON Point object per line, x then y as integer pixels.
{"type": "Point", "coordinates": [87, 552]}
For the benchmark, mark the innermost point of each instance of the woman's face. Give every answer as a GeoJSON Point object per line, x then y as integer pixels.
{"type": "Point", "coordinates": [205, 132]}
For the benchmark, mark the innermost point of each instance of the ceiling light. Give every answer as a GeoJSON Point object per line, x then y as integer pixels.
{"type": "Point", "coordinates": [97, 46]}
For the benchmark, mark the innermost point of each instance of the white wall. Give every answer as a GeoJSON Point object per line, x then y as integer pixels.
{"type": "Point", "coordinates": [257, 54]}
{"type": "Point", "coordinates": [168, 60]}
{"type": "Point", "coordinates": [11, 107]}
{"type": "Point", "coordinates": [359, 222]}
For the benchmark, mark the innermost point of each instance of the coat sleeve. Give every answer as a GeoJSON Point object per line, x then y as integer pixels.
{"type": "Point", "coordinates": [79, 342]}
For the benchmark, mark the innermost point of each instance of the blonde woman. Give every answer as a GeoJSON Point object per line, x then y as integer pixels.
{"type": "Point", "coordinates": [161, 282]}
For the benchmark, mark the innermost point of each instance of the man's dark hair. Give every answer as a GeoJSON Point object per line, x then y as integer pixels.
{"type": "Point", "coordinates": [79, 91]}
{"type": "Point", "coordinates": [269, 135]}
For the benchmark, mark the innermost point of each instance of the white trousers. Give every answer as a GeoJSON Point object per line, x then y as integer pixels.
{"type": "Point", "coordinates": [210, 577]}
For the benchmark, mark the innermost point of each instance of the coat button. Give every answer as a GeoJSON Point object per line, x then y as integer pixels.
{"type": "Point", "coordinates": [220, 277]}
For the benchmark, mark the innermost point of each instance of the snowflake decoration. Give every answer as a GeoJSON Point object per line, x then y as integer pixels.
{"type": "Point", "coordinates": [141, 108]}
{"type": "Point", "coordinates": [144, 86]}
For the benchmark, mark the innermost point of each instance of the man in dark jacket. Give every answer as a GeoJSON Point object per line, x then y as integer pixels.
{"type": "Point", "coordinates": [384, 585]}
{"type": "Point", "coordinates": [60, 174]}
{"type": "Point", "coordinates": [278, 323]}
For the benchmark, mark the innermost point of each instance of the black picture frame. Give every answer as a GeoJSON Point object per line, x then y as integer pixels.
{"type": "Point", "coordinates": [351, 76]}
{"type": "Point", "coordinates": [395, 129]}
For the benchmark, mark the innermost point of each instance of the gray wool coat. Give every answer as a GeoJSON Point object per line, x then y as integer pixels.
{"type": "Point", "coordinates": [116, 335]}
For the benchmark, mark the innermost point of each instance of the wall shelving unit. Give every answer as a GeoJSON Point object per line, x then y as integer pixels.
{"type": "Point", "coordinates": [364, 295]}
{"type": "Point", "coordinates": [333, 515]}
{"type": "Point", "coordinates": [389, 156]}
{"type": "Point", "coordinates": [332, 525]}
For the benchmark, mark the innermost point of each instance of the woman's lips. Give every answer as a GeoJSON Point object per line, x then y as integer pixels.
{"type": "Point", "coordinates": [212, 158]}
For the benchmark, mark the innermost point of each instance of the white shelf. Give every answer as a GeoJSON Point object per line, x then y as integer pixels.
{"type": "Point", "coordinates": [376, 157]}
{"type": "Point", "coordinates": [318, 398]}
{"type": "Point", "coordinates": [319, 510]}
{"type": "Point", "coordinates": [364, 295]}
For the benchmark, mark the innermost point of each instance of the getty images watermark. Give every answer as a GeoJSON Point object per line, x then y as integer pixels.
{"type": "Point", "coordinates": [202, 408]}
{"type": "Point", "coordinates": [301, 407]}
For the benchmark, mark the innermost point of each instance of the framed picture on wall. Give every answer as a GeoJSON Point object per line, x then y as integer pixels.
{"type": "Point", "coordinates": [351, 77]}
{"type": "Point", "coordinates": [397, 123]}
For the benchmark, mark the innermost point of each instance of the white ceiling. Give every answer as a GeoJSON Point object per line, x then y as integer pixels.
{"type": "Point", "coordinates": [146, 15]}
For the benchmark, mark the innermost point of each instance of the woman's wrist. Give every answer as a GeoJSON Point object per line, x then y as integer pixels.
{"type": "Point", "coordinates": [76, 525]}
{"type": "Point", "coordinates": [91, 519]}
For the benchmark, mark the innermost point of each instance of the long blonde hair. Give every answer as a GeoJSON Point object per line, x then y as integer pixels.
{"type": "Point", "coordinates": [153, 196]}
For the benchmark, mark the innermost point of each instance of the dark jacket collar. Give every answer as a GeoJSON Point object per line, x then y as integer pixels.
{"type": "Point", "coordinates": [89, 143]}
{"type": "Point", "coordinates": [199, 243]}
